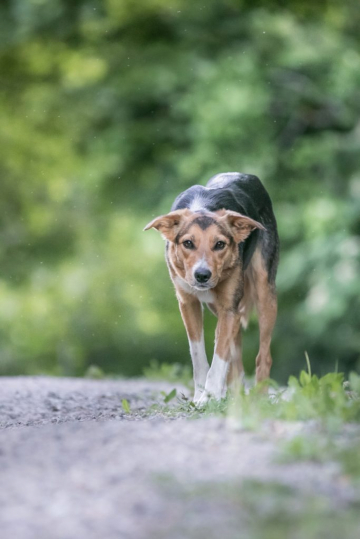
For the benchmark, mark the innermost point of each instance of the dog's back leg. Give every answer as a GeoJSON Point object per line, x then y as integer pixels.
{"type": "Point", "coordinates": [236, 369]}
{"type": "Point", "coordinates": [265, 299]}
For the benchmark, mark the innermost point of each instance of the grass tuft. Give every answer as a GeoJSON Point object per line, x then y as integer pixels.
{"type": "Point", "coordinates": [169, 372]}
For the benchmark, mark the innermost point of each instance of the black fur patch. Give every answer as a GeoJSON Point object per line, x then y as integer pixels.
{"type": "Point", "coordinates": [239, 292]}
{"type": "Point", "coordinates": [244, 194]}
{"type": "Point", "coordinates": [204, 221]}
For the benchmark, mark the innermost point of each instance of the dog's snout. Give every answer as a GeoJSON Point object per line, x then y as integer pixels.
{"type": "Point", "coordinates": [202, 275]}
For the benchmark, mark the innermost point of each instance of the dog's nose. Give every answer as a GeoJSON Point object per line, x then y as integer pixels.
{"type": "Point", "coordinates": [202, 275]}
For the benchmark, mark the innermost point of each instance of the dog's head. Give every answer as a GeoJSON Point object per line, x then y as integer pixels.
{"type": "Point", "coordinates": [203, 245]}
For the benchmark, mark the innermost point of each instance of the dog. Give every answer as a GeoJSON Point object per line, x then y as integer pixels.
{"type": "Point", "coordinates": [222, 250]}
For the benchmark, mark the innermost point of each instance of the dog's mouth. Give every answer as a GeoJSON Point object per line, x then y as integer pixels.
{"type": "Point", "coordinates": [202, 286]}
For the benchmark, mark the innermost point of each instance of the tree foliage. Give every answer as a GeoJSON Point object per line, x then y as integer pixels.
{"type": "Point", "coordinates": [109, 109]}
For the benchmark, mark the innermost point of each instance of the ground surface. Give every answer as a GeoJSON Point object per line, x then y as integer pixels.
{"type": "Point", "coordinates": [73, 464]}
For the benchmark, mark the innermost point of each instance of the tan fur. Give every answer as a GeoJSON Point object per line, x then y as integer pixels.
{"type": "Point", "coordinates": [191, 313]}
{"type": "Point", "coordinates": [231, 291]}
{"type": "Point", "coordinates": [183, 260]}
{"type": "Point", "coordinates": [266, 306]}
{"type": "Point", "coordinates": [168, 225]}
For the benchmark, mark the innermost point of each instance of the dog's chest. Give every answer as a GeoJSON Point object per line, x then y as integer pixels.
{"type": "Point", "coordinates": [205, 296]}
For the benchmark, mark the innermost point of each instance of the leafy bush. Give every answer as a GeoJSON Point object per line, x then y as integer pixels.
{"type": "Point", "coordinates": [101, 132]}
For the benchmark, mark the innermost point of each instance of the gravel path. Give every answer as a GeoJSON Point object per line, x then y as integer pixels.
{"type": "Point", "coordinates": [74, 465]}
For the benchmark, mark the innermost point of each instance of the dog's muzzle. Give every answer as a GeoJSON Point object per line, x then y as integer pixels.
{"type": "Point", "coordinates": [202, 276]}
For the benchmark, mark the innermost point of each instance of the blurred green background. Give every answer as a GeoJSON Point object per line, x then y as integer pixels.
{"type": "Point", "coordinates": [109, 109]}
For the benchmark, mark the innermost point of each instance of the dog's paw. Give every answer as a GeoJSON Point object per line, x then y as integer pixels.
{"type": "Point", "coordinates": [202, 399]}
{"type": "Point", "coordinates": [198, 394]}
{"type": "Point", "coordinates": [205, 397]}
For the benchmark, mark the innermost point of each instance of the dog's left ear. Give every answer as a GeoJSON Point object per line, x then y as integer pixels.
{"type": "Point", "coordinates": [240, 225]}
{"type": "Point", "coordinates": [168, 225]}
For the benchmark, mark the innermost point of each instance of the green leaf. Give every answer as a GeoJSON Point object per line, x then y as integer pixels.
{"type": "Point", "coordinates": [126, 406]}
{"type": "Point", "coordinates": [170, 395]}
{"type": "Point", "coordinates": [304, 378]}
{"type": "Point", "coordinates": [308, 363]}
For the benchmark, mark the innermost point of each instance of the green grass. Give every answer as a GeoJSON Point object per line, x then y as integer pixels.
{"type": "Point", "coordinates": [169, 372]}
{"type": "Point", "coordinates": [329, 400]}
{"type": "Point", "coordinates": [253, 509]}
{"type": "Point", "coordinates": [315, 414]}
{"type": "Point", "coordinates": [342, 448]}
{"type": "Point", "coordinates": [318, 420]}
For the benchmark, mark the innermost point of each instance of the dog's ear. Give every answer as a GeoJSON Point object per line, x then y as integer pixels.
{"type": "Point", "coordinates": [169, 225]}
{"type": "Point", "coordinates": [240, 225]}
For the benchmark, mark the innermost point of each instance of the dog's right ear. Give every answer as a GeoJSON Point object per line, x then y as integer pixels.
{"type": "Point", "coordinates": [169, 225]}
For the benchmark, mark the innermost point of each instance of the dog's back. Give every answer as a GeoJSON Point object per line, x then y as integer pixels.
{"type": "Point", "coordinates": [245, 194]}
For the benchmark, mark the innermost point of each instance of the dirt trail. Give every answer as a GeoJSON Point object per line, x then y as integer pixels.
{"type": "Point", "coordinates": [74, 465]}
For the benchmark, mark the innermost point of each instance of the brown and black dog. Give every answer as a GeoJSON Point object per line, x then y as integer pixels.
{"type": "Point", "coordinates": [222, 249]}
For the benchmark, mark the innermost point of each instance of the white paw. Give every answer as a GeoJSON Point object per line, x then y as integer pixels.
{"type": "Point", "coordinates": [197, 397]}
{"type": "Point", "coordinates": [202, 400]}
{"type": "Point", "coordinates": [206, 396]}
{"type": "Point", "coordinates": [215, 382]}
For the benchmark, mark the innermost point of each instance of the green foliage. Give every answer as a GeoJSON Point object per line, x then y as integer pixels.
{"type": "Point", "coordinates": [349, 459]}
{"type": "Point", "coordinates": [109, 109]}
{"type": "Point", "coordinates": [94, 372]}
{"type": "Point", "coordinates": [322, 447]}
{"type": "Point", "coordinates": [257, 509]}
{"type": "Point", "coordinates": [320, 397]}
{"type": "Point", "coordinates": [126, 406]}
{"type": "Point", "coordinates": [169, 372]}
{"type": "Point", "coordinates": [327, 400]}
{"type": "Point", "coordinates": [302, 447]}
{"type": "Point", "coordinates": [171, 395]}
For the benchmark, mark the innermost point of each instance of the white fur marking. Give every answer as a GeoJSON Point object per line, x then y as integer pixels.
{"type": "Point", "coordinates": [200, 365]}
{"type": "Point", "coordinates": [197, 203]}
{"type": "Point", "coordinates": [205, 296]}
{"type": "Point", "coordinates": [221, 182]}
{"type": "Point", "coordinates": [201, 264]}
{"type": "Point", "coordinates": [216, 380]}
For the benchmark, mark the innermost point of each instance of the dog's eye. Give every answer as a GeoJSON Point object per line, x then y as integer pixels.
{"type": "Point", "coordinates": [188, 244]}
{"type": "Point", "coordinates": [219, 245]}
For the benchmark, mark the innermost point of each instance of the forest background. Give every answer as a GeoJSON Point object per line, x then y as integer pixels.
{"type": "Point", "coordinates": [109, 109]}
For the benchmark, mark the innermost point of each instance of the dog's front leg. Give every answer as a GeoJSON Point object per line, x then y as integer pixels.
{"type": "Point", "coordinates": [191, 312]}
{"type": "Point", "coordinates": [227, 331]}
